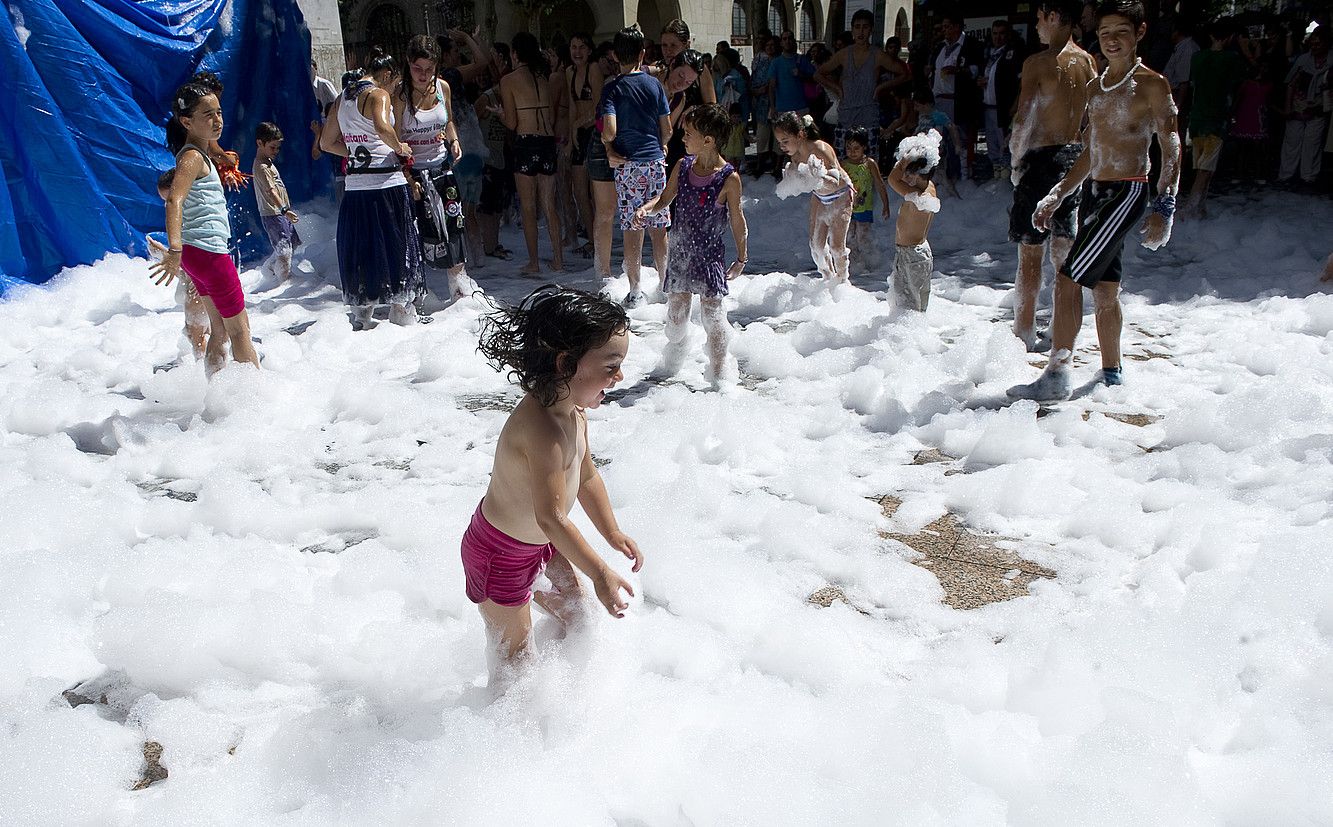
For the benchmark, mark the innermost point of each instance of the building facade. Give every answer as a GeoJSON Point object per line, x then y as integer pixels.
{"type": "Point", "coordinates": [389, 23]}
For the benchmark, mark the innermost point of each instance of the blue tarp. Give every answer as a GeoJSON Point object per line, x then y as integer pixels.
{"type": "Point", "coordinates": [84, 103]}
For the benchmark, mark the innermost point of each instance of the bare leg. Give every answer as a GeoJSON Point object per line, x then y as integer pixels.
{"type": "Point", "coordinates": [604, 196]}
{"type": "Point", "coordinates": [238, 333]}
{"type": "Point", "coordinates": [1026, 288]}
{"type": "Point", "coordinates": [460, 286]}
{"type": "Point", "coordinates": [1110, 319]}
{"type": "Point", "coordinates": [1066, 319]}
{"type": "Point", "coordinates": [838, 224]}
{"type": "Point", "coordinates": [633, 256]}
{"type": "Point", "coordinates": [526, 185]}
{"type": "Point", "coordinates": [1328, 270]}
{"type": "Point", "coordinates": [819, 233]}
{"type": "Point", "coordinates": [1198, 194]}
{"type": "Point", "coordinates": [658, 237]}
{"type": "Point", "coordinates": [197, 323]}
{"type": "Point", "coordinates": [677, 331]}
{"type": "Point", "coordinates": [565, 601]}
{"type": "Point", "coordinates": [490, 231]}
{"type": "Point", "coordinates": [546, 184]}
{"type": "Point", "coordinates": [583, 199]}
{"type": "Point", "coordinates": [718, 333]}
{"type": "Point", "coordinates": [215, 348]}
{"type": "Point", "coordinates": [508, 638]}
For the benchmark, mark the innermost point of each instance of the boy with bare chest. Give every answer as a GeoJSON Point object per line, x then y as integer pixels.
{"type": "Point", "coordinates": [1129, 104]}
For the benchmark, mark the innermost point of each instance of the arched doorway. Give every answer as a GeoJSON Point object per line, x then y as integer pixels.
{"type": "Point", "coordinates": [388, 28]}
{"type": "Point", "coordinates": [654, 14]}
{"type": "Point", "coordinates": [902, 27]}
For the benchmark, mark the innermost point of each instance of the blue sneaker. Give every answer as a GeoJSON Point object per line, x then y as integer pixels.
{"type": "Point", "coordinates": [1112, 376]}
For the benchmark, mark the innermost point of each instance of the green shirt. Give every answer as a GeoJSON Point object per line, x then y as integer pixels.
{"type": "Point", "coordinates": [1215, 75]}
{"type": "Point", "coordinates": [862, 180]}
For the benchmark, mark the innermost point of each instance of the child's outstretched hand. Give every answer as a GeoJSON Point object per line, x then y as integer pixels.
{"type": "Point", "coordinates": [623, 543]}
{"type": "Point", "coordinates": [608, 588]}
{"type": "Point", "coordinates": [166, 269]}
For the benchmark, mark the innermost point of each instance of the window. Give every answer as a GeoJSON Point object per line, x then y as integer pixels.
{"type": "Point", "coordinates": [808, 32]}
{"type": "Point", "coordinates": [387, 27]}
{"type": "Point", "coordinates": [902, 29]}
{"type": "Point", "coordinates": [777, 18]}
{"type": "Point", "coordinates": [740, 22]}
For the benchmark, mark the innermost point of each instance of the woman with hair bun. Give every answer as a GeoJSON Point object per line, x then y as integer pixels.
{"type": "Point", "coordinates": [813, 167]}
{"type": "Point", "coordinates": [379, 249]}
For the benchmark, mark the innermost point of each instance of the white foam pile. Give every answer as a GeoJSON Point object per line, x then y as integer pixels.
{"type": "Point", "coordinates": [263, 576]}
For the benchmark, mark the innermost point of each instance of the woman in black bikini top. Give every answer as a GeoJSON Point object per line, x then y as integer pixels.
{"type": "Point", "coordinates": [534, 148]}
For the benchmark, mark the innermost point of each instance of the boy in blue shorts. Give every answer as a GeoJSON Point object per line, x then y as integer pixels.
{"type": "Point", "coordinates": [636, 126]}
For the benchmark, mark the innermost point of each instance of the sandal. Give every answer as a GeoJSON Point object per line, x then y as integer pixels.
{"type": "Point", "coordinates": [500, 252]}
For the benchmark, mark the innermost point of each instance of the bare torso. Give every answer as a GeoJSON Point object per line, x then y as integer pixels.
{"type": "Point", "coordinates": [913, 223]}
{"type": "Point", "coordinates": [1055, 95]}
{"type": "Point", "coordinates": [531, 96]}
{"type": "Point", "coordinates": [1121, 124]}
{"type": "Point", "coordinates": [509, 501]}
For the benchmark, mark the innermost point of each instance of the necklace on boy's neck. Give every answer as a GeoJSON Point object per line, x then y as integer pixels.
{"type": "Point", "coordinates": [1101, 79]}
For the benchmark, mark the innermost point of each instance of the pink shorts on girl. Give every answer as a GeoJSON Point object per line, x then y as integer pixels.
{"type": "Point", "coordinates": [214, 275]}
{"type": "Point", "coordinates": [498, 567]}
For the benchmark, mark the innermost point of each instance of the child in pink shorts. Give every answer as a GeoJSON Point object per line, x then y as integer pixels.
{"type": "Point", "coordinates": [198, 231]}
{"type": "Point", "coordinates": [565, 347]}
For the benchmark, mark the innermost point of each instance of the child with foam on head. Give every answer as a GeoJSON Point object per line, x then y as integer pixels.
{"type": "Point", "coordinates": [868, 182]}
{"type": "Point", "coordinates": [275, 207]}
{"type": "Point", "coordinates": [707, 192]}
{"type": "Point", "coordinates": [918, 157]}
{"type": "Point", "coordinates": [198, 230]}
{"type": "Point", "coordinates": [565, 348]}
{"type": "Point", "coordinates": [813, 167]}
{"type": "Point", "coordinates": [196, 316]}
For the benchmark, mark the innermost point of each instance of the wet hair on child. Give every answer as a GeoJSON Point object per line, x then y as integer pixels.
{"type": "Point", "coordinates": [183, 104]}
{"type": "Point", "coordinates": [859, 136]}
{"type": "Point", "coordinates": [792, 123]}
{"type": "Point", "coordinates": [921, 167]}
{"type": "Point", "coordinates": [267, 131]}
{"type": "Point", "coordinates": [551, 322]}
{"type": "Point", "coordinates": [1131, 10]}
{"type": "Point", "coordinates": [628, 44]}
{"type": "Point", "coordinates": [710, 121]}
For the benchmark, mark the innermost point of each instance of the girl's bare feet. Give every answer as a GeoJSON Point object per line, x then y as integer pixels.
{"type": "Point", "coordinates": [532, 268]}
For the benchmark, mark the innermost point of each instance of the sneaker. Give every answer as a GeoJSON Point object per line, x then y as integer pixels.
{"type": "Point", "coordinates": [1113, 376]}
{"type": "Point", "coordinates": [1052, 386]}
{"type": "Point", "coordinates": [633, 299]}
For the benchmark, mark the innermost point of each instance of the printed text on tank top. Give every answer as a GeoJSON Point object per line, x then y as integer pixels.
{"type": "Point", "coordinates": [371, 163]}
{"type": "Point", "coordinates": [423, 129]}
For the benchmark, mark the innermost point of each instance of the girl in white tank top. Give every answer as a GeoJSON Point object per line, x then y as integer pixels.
{"type": "Point", "coordinates": [425, 131]}
{"type": "Point", "coordinates": [366, 150]}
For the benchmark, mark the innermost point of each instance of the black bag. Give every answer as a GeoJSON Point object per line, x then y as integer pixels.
{"type": "Point", "coordinates": [440, 218]}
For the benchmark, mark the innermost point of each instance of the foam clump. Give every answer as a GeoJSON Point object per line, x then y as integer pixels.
{"type": "Point", "coordinates": [800, 178]}
{"type": "Point", "coordinates": [924, 146]}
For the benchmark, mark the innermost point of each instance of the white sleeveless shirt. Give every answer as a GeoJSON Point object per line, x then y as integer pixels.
{"type": "Point", "coordinates": [366, 150]}
{"type": "Point", "coordinates": [421, 131]}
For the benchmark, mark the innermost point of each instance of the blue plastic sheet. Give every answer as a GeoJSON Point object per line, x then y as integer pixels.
{"type": "Point", "coordinates": [83, 108]}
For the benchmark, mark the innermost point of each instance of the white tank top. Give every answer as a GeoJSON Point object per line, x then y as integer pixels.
{"type": "Point", "coordinates": [421, 131]}
{"type": "Point", "coordinates": [366, 150]}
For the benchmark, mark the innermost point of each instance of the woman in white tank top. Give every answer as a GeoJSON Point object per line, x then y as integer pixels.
{"type": "Point", "coordinates": [423, 106]}
{"type": "Point", "coordinates": [379, 249]}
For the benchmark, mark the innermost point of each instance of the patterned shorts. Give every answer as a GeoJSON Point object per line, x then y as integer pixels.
{"type": "Point", "coordinates": [637, 183]}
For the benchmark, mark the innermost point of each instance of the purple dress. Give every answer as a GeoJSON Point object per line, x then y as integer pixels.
{"type": "Point", "coordinates": [696, 251]}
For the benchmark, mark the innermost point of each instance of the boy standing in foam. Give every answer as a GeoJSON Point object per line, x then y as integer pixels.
{"type": "Point", "coordinates": [1129, 105]}
{"type": "Point", "coordinates": [636, 125]}
{"type": "Point", "coordinates": [565, 347]}
{"type": "Point", "coordinates": [275, 208]}
{"type": "Point", "coordinates": [914, 263]}
{"type": "Point", "coordinates": [1044, 145]}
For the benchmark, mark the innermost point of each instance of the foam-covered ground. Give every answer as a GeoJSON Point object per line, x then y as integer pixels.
{"type": "Point", "coordinates": [262, 574]}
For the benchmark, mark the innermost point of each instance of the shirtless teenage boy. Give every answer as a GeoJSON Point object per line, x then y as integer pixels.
{"type": "Point", "coordinates": [1129, 104]}
{"type": "Point", "coordinates": [1044, 145]}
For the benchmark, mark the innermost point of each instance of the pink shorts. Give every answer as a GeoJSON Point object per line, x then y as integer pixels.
{"type": "Point", "coordinates": [214, 275]}
{"type": "Point", "coordinates": [498, 567]}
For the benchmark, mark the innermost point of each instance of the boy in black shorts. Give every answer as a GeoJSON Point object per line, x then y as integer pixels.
{"type": "Point", "coordinates": [1129, 105]}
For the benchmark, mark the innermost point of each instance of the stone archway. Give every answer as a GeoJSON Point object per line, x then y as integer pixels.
{"type": "Point", "coordinates": [568, 18]}
{"type": "Point", "coordinates": [652, 15]}
{"type": "Point", "coordinates": [902, 27]}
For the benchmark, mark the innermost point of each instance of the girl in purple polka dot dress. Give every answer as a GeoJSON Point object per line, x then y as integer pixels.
{"type": "Point", "coordinates": [707, 192]}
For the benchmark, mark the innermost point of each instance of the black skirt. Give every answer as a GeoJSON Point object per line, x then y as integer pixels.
{"type": "Point", "coordinates": [379, 248]}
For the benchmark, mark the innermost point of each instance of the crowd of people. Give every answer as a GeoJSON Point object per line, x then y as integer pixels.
{"type": "Point", "coordinates": [436, 147]}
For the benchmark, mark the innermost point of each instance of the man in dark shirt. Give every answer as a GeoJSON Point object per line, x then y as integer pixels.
{"type": "Point", "coordinates": [999, 91]}
{"type": "Point", "coordinates": [1215, 75]}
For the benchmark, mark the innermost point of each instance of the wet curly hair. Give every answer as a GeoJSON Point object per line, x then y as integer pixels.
{"type": "Point", "coordinates": [552, 321]}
